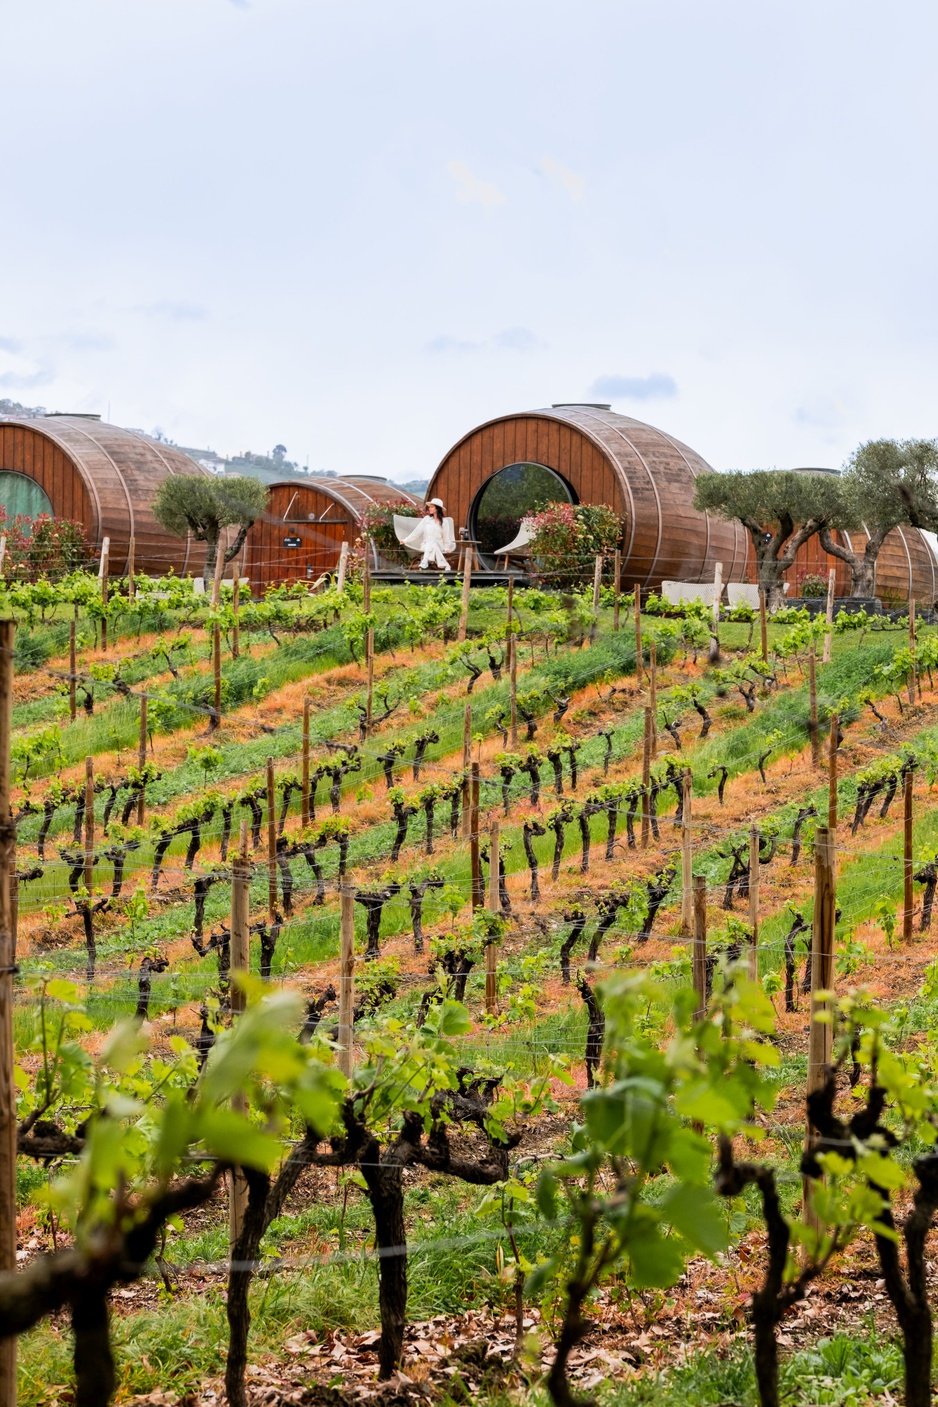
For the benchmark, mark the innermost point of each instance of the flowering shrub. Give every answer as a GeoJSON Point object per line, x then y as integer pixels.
{"type": "Point", "coordinates": [567, 538]}
{"type": "Point", "coordinates": [811, 584]}
{"type": "Point", "coordinates": [42, 546]}
{"type": "Point", "coordinates": [377, 522]}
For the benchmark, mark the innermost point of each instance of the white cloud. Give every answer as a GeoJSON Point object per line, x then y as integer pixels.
{"type": "Point", "coordinates": [562, 176]}
{"type": "Point", "coordinates": [510, 339]}
{"type": "Point", "coordinates": [470, 190]}
{"type": "Point", "coordinates": [635, 388]}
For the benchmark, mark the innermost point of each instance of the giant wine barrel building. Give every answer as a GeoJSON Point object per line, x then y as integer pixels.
{"type": "Point", "coordinates": [508, 467]}
{"type": "Point", "coordinates": [304, 525]}
{"type": "Point", "coordinates": [98, 475]}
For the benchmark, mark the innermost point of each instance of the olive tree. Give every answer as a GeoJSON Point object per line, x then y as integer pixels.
{"type": "Point", "coordinates": [203, 506]}
{"type": "Point", "coordinates": [885, 484]}
{"type": "Point", "coordinates": [780, 509]}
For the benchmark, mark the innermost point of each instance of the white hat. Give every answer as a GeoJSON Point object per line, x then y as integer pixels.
{"type": "Point", "coordinates": [437, 502]}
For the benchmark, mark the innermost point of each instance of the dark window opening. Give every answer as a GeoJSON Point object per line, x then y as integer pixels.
{"type": "Point", "coordinates": [509, 496]}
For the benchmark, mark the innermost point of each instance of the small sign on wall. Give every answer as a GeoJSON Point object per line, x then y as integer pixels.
{"type": "Point", "coordinates": [293, 542]}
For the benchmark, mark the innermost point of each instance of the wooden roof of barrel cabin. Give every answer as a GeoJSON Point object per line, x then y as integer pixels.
{"type": "Point", "coordinates": [592, 455]}
{"type": "Point", "coordinates": [104, 477]}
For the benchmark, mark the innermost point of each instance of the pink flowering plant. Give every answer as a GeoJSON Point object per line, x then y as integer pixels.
{"type": "Point", "coordinates": [567, 538]}
{"type": "Point", "coordinates": [42, 546]}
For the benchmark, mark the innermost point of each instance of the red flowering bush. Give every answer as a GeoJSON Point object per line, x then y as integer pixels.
{"type": "Point", "coordinates": [42, 546]}
{"type": "Point", "coordinates": [567, 538]}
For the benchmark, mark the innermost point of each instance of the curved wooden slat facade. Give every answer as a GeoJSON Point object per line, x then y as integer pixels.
{"type": "Point", "coordinates": [105, 478]}
{"type": "Point", "coordinates": [305, 523]}
{"type": "Point", "coordinates": [905, 569]}
{"type": "Point", "coordinates": [643, 474]}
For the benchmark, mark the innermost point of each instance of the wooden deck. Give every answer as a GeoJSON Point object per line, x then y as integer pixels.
{"type": "Point", "coordinates": [412, 576]}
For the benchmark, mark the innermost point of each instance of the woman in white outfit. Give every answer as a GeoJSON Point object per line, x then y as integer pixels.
{"type": "Point", "coordinates": [428, 537]}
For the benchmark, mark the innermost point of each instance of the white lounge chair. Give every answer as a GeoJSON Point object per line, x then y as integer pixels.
{"type": "Point", "coordinates": [519, 545]}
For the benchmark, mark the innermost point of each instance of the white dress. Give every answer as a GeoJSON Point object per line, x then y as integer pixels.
{"type": "Point", "coordinates": [427, 537]}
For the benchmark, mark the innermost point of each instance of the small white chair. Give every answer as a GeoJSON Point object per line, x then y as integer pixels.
{"type": "Point", "coordinates": [520, 545]}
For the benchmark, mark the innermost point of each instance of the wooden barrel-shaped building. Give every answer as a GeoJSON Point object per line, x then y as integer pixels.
{"type": "Point", "coordinates": [306, 521]}
{"type": "Point", "coordinates": [105, 478]}
{"type": "Point", "coordinates": [510, 466]}
{"type": "Point", "coordinates": [906, 567]}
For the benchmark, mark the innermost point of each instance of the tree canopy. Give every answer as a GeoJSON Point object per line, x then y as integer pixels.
{"type": "Point", "coordinates": [203, 505]}
{"type": "Point", "coordinates": [885, 483]}
{"type": "Point", "coordinates": [780, 509]}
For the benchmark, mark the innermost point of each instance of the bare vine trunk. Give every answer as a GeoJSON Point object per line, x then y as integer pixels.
{"type": "Point", "coordinates": [386, 1195]}
{"type": "Point", "coordinates": [95, 1378]}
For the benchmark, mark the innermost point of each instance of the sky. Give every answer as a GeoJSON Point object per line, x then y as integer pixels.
{"type": "Point", "coordinates": [360, 229]}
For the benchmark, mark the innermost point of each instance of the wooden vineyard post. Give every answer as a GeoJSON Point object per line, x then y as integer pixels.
{"type": "Point", "coordinates": [366, 578]}
{"type": "Point", "coordinates": [131, 584]}
{"type": "Point", "coordinates": [346, 978]}
{"type": "Point", "coordinates": [271, 840]}
{"type": "Point", "coordinates": [370, 679]}
{"type": "Point", "coordinates": [343, 569]}
{"type": "Point", "coordinates": [235, 603]}
{"type": "Point", "coordinates": [646, 778]}
{"type": "Point", "coordinates": [913, 682]}
{"type": "Point", "coordinates": [304, 790]}
{"type": "Point", "coordinates": [638, 632]}
{"type": "Point", "coordinates": [103, 573]}
{"type": "Point", "coordinates": [832, 774]}
{"type": "Point", "coordinates": [699, 950]}
{"type": "Point", "coordinates": [763, 626]}
{"type": "Point", "coordinates": [829, 616]}
{"type": "Point", "coordinates": [466, 585]}
{"type": "Point", "coordinates": [89, 823]}
{"type": "Point", "coordinates": [474, 861]}
{"type": "Point", "coordinates": [490, 963]}
{"type": "Point", "coordinates": [509, 616]}
{"type": "Point", "coordinates": [597, 586]}
{"type": "Point", "coordinates": [687, 856]}
{"type": "Point", "coordinates": [653, 694]}
{"type": "Point", "coordinates": [72, 670]}
{"type": "Point", "coordinates": [812, 707]}
{"type": "Point", "coordinates": [8, 1126]}
{"type": "Point", "coordinates": [216, 579]}
{"type": "Point", "coordinates": [513, 690]}
{"type": "Point", "coordinates": [142, 758]}
{"type": "Point", "coordinates": [616, 588]}
{"type": "Point", "coordinates": [240, 962]}
{"type": "Point", "coordinates": [754, 842]}
{"type": "Point", "coordinates": [216, 671]}
{"type": "Point", "coordinates": [466, 756]}
{"type": "Point", "coordinates": [822, 970]}
{"type": "Point", "coordinates": [240, 906]}
{"type": "Point", "coordinates": [908, 905]}
{"type": "Point", "coordinates": [3, 550]}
